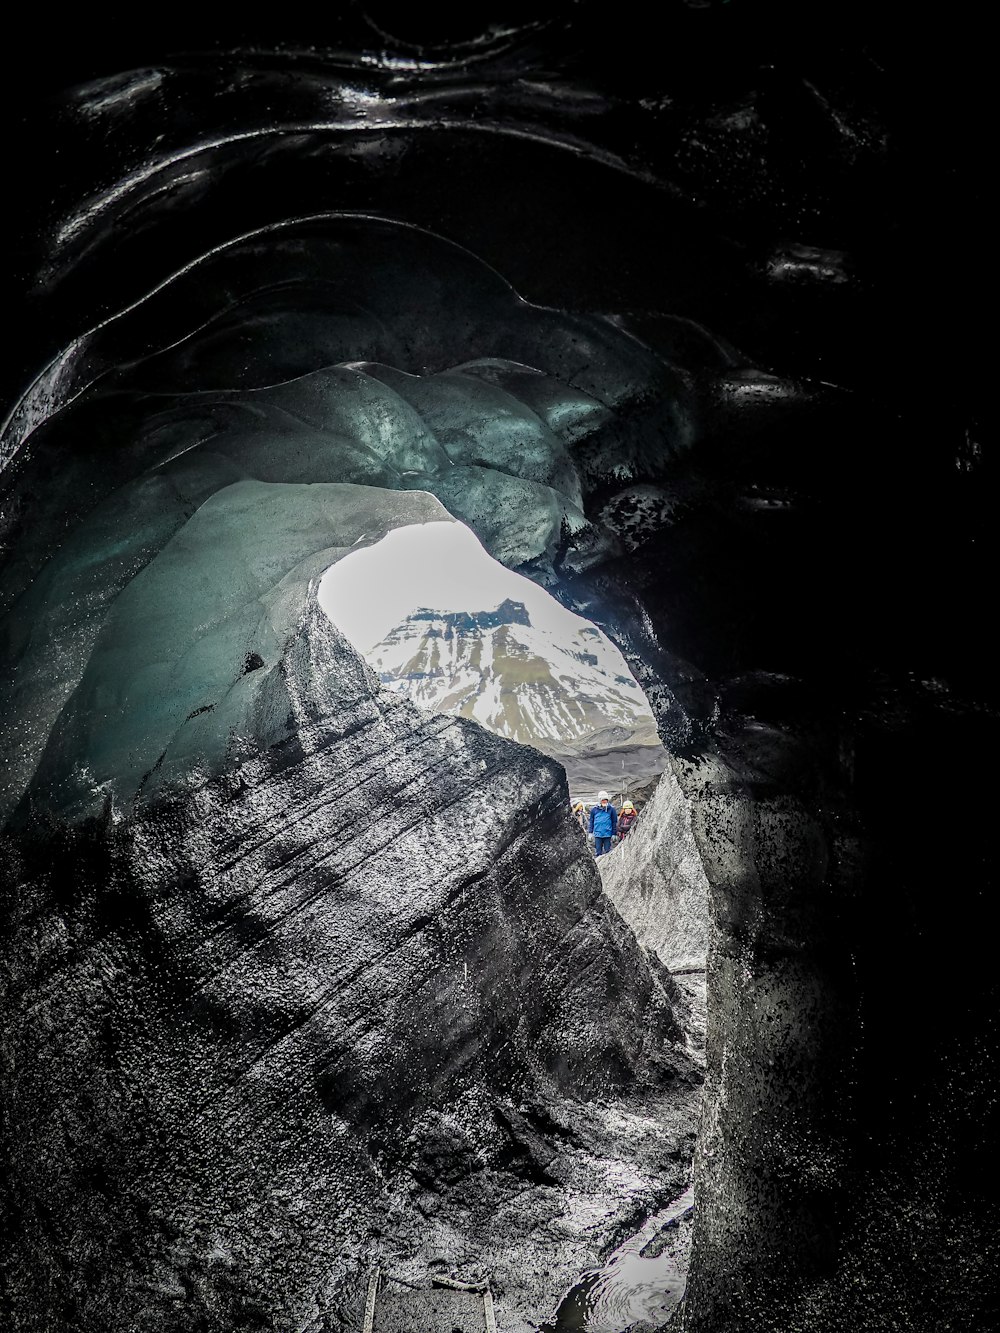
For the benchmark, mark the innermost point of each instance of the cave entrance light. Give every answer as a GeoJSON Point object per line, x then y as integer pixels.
{"type": "Point", "coordinates": [443, 623]}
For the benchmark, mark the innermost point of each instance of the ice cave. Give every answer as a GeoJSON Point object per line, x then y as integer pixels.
{"type": "Point", "coordinates": [672, 330]}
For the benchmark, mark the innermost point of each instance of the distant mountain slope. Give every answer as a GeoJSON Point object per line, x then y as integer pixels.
{"type": "Point", "coordinates": [570, 696]}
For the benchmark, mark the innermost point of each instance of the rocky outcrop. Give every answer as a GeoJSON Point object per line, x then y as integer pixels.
{"type": "Point", "coordinates": [656, 880]}
{"type": "Point", "coordinates": [347, 1003]}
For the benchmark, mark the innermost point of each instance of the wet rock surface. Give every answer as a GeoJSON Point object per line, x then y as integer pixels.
{"type": "Point", "coordinates": [400, 1310]}
{"type": "Point", "coordinates": [641, 1283]}
{"type": "Point", "coordinates": [338, 1005]}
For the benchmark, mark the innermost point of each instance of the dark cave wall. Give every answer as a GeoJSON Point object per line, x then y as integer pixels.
{"type": "Point", "coordinates": [828, 1158]}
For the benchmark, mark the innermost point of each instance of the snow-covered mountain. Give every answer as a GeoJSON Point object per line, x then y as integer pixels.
{"type": "Point", "coordinates": [570, 695]}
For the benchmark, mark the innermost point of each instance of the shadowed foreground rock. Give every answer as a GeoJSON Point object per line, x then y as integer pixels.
{"type": "Point", "coordinates": [335, 1007]}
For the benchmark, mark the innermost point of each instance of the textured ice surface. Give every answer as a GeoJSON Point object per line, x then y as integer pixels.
{"type": "Point", "coordinates": [706, 174]}
{"type": "Point", "coordinates": [184, 669]}
{"type": "Point", "coordinates": [360, 998]}
{"type": "Point", "coordinates": [140, 645]}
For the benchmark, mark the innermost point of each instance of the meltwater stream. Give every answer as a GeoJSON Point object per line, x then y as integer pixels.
{"type": "Point", "coordinates": [632, 1285]}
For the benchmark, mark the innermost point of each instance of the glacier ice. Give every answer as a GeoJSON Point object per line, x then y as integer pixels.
{"type": "Point", "coordinates": [184, 665]}
{"type": "Point", "coordinates": [202, 491]}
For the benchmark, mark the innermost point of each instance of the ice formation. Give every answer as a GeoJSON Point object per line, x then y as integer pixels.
{"type": "Point", "coordinates": [129, 644]}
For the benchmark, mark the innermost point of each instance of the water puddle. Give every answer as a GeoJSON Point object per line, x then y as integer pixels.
{"type": "Point", "coordinates": [630, 1286]}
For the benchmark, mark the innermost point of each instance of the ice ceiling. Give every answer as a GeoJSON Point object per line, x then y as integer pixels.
{"type": "Point", "coordinates": [229, 470]}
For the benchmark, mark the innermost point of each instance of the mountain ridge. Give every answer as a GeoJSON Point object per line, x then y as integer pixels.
{"type": "Point", "coordinates": [569, 695]}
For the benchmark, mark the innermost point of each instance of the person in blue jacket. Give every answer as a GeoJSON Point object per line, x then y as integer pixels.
{"type": "Point", "coordinates": [603, 823]}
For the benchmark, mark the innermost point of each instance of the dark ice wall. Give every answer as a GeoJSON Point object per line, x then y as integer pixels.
{"type": "Point", "coordinates": [251, 1032]}
{"type": "Point", "coordinates": [728, 276]}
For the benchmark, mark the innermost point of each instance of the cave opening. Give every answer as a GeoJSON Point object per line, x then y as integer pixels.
{"type": "Point", "coordinates": [442, 622]}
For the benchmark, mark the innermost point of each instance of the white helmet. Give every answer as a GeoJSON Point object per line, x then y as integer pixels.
{"type": "Point", "coordinates": [603, 796]}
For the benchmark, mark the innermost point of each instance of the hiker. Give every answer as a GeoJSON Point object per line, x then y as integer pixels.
{"type": "Point", "coordinates": [603, 823]}
{"type": "Point", "coordinates": [626, 819]}
{"type": "Point", "coordinates": [580, 814]}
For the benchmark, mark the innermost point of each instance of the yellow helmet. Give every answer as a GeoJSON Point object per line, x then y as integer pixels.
{"type": "Point", "coordinates": [627, 805]}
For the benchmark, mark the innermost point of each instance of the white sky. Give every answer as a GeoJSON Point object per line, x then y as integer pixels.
{"type": "Point", "coordinates": [441, 565]}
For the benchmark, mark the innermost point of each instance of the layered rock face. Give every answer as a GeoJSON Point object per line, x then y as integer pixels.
{"type": "Point", "coordinates": [517, 679]}
{"type": "Point", "coordinates": [256, 1037]}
